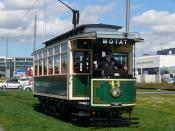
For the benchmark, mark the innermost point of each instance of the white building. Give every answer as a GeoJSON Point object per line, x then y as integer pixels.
{"type": "Point", "coordinates": [154, 68]}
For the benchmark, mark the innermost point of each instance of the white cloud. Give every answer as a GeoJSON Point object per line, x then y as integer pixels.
{"type": "Point", "coordinates": [157, 21]}
{"type": "Point", "coordinates": [11, 18]}
{"type": "Point", "coordinates": [17, 21]}
{"type": "Point", "coordinates": [91, 13]}
{"type": "Point", "coordinates": [1, 5]}
{"type": "Point", "coordinates": [15, 15]}
{"type": "Point", "coordinates": [159, 33]}
{"type": "Point", "coordinates": [154, 42]}
{"type": "Point", "coordinates": [19, 4]}
{"type": "Point", "coordinates": [53, 28]}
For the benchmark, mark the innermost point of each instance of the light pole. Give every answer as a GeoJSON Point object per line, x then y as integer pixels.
{"type": "Point", "coordinates": [34, 35]}
{"type": "Point", "coordinates": [6, 66]}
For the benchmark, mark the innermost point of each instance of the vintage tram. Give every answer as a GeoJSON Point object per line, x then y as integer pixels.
{"type": "Point", "coordinates": [68, 80]}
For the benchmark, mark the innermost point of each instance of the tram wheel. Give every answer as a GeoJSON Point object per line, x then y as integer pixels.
{"type": "Point", "coordinates": [64, 110]}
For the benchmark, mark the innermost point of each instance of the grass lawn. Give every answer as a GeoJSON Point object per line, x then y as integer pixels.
{"type": "Point", "coordinates": [156, 112]}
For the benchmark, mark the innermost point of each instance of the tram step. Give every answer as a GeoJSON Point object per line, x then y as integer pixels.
{"type": "Point", "coordinates": [81, 114]}
{"type": "Point", "coordinates": [113, 121]}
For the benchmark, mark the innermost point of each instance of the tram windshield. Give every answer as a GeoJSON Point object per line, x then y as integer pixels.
{"type": "Point", "coordinates": [109, 62]}
{"type": "Point", "coordinates": [102, 61]}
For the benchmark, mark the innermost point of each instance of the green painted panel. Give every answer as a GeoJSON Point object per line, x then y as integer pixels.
{"type": "Point", "coordinates": [102, 91]}
{"type": "Point", "coordinates": [53, 85]}
{"type": "Point", "coordinates": [80, 86]}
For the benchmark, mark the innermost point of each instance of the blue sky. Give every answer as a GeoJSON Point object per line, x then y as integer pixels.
{"type": "Point", "coordinates": [155, 20]}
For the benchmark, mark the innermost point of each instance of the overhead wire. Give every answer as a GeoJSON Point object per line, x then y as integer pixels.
{"type": "Point", "coordinates": [21, 20]}
{"type": "Point", "coordinates": [45, 20]}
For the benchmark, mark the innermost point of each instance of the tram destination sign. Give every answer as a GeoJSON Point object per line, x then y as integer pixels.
{"type": "Point", "coordinates": [114, 41]}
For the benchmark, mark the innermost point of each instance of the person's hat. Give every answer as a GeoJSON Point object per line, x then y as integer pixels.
{"type": "Point", "coordinates": [108, 51]}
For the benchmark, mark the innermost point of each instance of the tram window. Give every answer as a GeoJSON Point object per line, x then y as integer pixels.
{"type": "Point", "coordinates": [122, 58]}
{"type": "Point", "coordinates": [50, 65]}
{"type": "Point", "coordinates": [40, 67]}
{"type": "Point", "coordinates": [81, 62]}
{"type": "Point", "coordinates": [40, 55]}
{"type": "Point", "coordinates": [35, 56]}
{"type": "Point", "coordinates": [57, 49]}
{"type": "Point", "coordinates": [45, 66]}
{"type": "Point", "coordinates": [50, 51]}
{"type": "Point", "coordinates": [57, 64]}
{"type": "Point", "coordinates": [64, 47]}
{"type": "Point", "coordinates": [36, 68]}
{"type": "Point", "coordinates": [64, 63]}
{"type": "Point", "coordinates": [45, 53]}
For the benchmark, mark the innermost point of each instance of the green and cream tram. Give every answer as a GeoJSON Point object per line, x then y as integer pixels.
{"type": "Point", "coordinates": [66, 79]}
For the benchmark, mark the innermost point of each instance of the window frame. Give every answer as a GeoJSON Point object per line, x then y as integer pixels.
{"type": "Point", "coordinates": [90, 61]}
{"type": "Point", "coordinates": [127, 54]}
{"type": "Point", "coordinates": [47, 53]}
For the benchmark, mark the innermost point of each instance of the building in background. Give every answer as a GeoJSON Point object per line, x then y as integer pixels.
{"type": "Point", "coordinates": [16, 66]}
{"type": "Point", "coordinates": [170, 51]}
{"type": "Point", "coordinates": [6, 67]}
{"type": "Point", "coordinates": [154, 68]}
{"type": "Point", "coordinates": [157, 64]}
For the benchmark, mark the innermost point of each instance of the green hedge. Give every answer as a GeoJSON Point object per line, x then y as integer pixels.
{"type": "Point", "coordinates": [156, 86]}
{"type": "Point", "coordinates": [2, 79]}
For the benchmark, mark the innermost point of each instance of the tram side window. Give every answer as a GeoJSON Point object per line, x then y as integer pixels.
{"type": "Point", "coordinates": [64, 47]}
{"type": "Point", "coordinates": [57, 59]}
{"type": "Point", "coordinates": [45, 53]}
{"type": "Point", "coordinates": [57, 64]}
{"type": "Point", "coordinates": [50, 64]}
{"type": "Point", "coordinates": [64, 63]}
{"type": "Point", "coordinates": [57, 49]}
{"type": "Point", "coordinates": [35, 64]}
{"type": "Point", "coordinates": [50, 61]}
{"type": "Point", "coordinates": [81, 62]}
{"type": "Point", "coordinates": [45, 62]}
{"type": "Point", "coordinates": [40, 55]}
{"type": "Point", "coordinates": [40, 67]}
{"type": "Point", "coordinates": [50, 51]}
{"type": "Point", "coordinates": [35, 57]}
{"type": "Point", "coordinates": [45, 66]}
{"type": "Point", "coordinates": [36, 68]}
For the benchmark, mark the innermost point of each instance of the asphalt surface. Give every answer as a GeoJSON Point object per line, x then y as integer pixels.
{"type": "Point", "coordinates": [153, 92]}
{"type": "Point", "coordinates": [166, 92]}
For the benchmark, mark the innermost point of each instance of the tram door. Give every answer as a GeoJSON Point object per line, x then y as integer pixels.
{"type": "Point", "coordinates": [81, 61]}
{"type": "Point", "coordinates": [81, 72]}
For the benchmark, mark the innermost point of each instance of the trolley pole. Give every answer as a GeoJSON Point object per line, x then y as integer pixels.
{"type": "Point", "coordinates": [127, 15]}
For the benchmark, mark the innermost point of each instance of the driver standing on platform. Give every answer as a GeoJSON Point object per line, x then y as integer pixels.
{"type": "Point", "coordinates": [109, 64]}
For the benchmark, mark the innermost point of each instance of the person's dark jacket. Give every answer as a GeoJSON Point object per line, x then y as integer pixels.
{"type": "Point", "coordinates": [109, 67]}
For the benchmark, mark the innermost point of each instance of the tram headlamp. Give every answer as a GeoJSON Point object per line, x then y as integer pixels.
{"type": "Point", "coordinates": [115, 92]}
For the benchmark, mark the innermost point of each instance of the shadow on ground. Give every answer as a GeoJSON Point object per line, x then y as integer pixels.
{"type": "Point", "coordinates": [83, 122]}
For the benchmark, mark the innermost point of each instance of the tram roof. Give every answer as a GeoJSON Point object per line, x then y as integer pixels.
{"type": "Point", "coordinates": [82, 29]}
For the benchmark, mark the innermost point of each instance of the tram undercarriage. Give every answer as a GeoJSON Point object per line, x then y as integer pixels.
{"type": "Point", "coordinates": [84, 114]}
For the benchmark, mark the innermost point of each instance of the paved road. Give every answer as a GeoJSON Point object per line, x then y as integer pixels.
{"type": "Point", "coordinates": [9, 90]}
{"type": "Point", "coordinates": [153, 92]}
{"type": "Point", "coordinates": [166, 92]}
